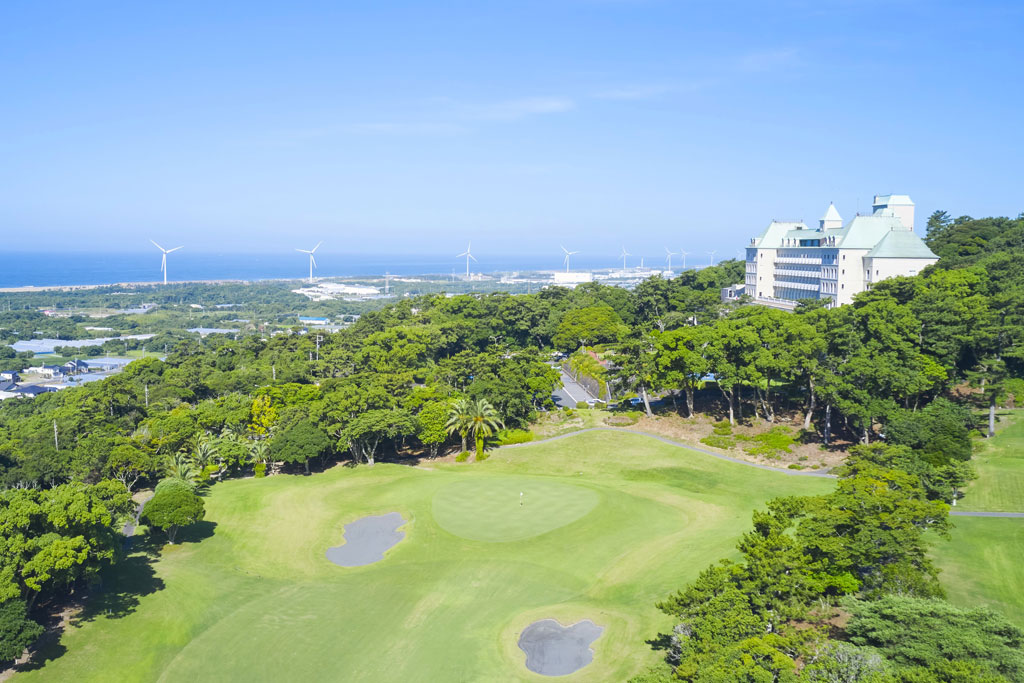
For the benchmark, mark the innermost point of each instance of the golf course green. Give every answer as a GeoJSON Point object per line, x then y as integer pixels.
{"type": "Point", "coordinates": [609, 524]}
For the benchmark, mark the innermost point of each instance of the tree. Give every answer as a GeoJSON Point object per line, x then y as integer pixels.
{"type": "Point", "coordinates": [299, 443]}
{"type": "Point", "coordinates": [432, 425]}
{"type": "Point", "coordinates": [130, 461]}
{"type": "Point", "coordinates": [682, 360]}
{"type": "Point", "coordinates": [172, 508]}
{"type": "Point", "coordinates": [484, 421]}
{"type": "Point", "coordinates": [460, 418]}
{"type": "Point", "coordinates": [17, 631]}
{"type": "Point", "coordinates": [636, 366]}
{"type": "Point", "coordinates": [989, 375]}
{"type": "Point", "coordinates": [363, 433]}
{"type": "Point", "coordinates": [589, 325]}
{"type": "Point", "coordinates": [922, 632]}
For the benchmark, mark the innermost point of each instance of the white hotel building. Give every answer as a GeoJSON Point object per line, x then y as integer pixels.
{"type": "Point", "coordinates": [790, 261]}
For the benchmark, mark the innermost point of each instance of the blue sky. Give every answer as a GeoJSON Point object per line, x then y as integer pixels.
{"type": "Point", "coordinates": [414, 127]}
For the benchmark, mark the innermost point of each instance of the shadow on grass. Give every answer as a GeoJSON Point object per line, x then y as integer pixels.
{"type": "Point", "coordinates": [193, 533]}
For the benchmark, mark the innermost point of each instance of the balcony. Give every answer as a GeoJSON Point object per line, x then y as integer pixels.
{"type": "Point", "coordinates": [789, 272]}
{"type": "Point", "coordinates": [807, 261]}
{"type": "Point", "coordinates": [807, 286]}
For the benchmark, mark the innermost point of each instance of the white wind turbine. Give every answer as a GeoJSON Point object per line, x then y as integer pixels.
{"type": "Point", "coordinates": [683, 253]}
{"type": "Point", "coordinates": [623, 256]}
{"type": "Point", "coordinates": [669, 254]}
{"type": "Point", "coordinates": [468, 256]}
{"type": "Point", "coordinates": [163, 259]}
{"type": "Point", "coordinates": [312, 261]}
{"type": "Point", "coordinates": [567, 255]}
{"type": "Point", "coordinates": [712, 253]}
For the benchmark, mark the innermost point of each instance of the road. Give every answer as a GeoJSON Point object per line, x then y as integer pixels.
{"type": "Point", "coordinates": [571, 392]}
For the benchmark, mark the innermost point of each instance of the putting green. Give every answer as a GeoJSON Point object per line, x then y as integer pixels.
{"type": "Point", "coordinates": [488, 508]}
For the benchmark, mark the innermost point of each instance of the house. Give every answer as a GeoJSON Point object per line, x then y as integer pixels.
{"type": "Point", "coordinates": [47, 371]}
{"type": "Point", "coordinates": [9, 376]}
{"type": "Point", "coordinates": [76, 367]}
{"type": "Point", "coordinates": [789, 261]}
{"type": "Point", "coordinates": [33, 390]}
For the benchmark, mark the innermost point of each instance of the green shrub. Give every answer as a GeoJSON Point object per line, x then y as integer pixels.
{"type": "Point", "coordinates": [582, 405]}
{"type": "Point", "coordinates": [621, 420]}
{"type": "Point", "coordinates": [723, 428]}
{"type": "Point", "coordinates": [802, 458]}
{"type": "Point", "coordinates": [260, 469]}
{"type": "Point", "coordinates": [462, 457]}
{"type": "Point", "coordinates": [795, 466]}
{"type": "Point", "coordinates": [569, 412]}
{"type": "Point", "coordinates": [173, 483]}
{"type": "Point", "coordinates": [507, 437]}
{"type": "Point", "coordinates": [771, 444]}
{"type": "Point", "coordinates": [719, 441]}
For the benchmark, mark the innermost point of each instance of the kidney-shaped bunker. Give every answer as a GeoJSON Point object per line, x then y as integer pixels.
{"type": "Point", "coordinates": [367, 539]}
{"type": "Point", "coordinates": [555, 650]}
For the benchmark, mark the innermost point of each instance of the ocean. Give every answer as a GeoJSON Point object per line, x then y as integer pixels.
{"type": "Point", "coordinates": [51, 268]}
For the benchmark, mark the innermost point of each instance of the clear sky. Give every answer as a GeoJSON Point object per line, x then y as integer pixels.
{"type": "Point", "coordinates": [414, 127]}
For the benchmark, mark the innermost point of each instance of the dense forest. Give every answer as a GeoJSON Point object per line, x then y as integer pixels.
{"type": "Point", "coordinates": [901, 372]}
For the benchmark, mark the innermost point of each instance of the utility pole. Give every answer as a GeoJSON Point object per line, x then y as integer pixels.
{"type": "Point", "coordinates": [56, 446]}
{"type": "Point", "coordinates": [147, 395]}
{"type": "Point", "coordinates": [319, 339]}
{"type": "Point", "coordinates": [273, 372]}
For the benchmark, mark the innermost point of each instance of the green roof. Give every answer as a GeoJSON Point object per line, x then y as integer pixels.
{"type": "Point", "coordinates": [901, 244]}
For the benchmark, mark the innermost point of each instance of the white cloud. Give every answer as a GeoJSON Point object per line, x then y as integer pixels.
{"type": "Point", "coordinates": [512, 110]}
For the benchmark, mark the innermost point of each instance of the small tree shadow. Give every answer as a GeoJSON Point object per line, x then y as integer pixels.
{"type": "Point", "coordinates": [193, 533]}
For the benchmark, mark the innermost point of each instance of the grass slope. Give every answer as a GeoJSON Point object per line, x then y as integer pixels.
{"type": "Point", "coordinates": [257, 600]}
{"type": "Point", "coordinates": [1000, 466]}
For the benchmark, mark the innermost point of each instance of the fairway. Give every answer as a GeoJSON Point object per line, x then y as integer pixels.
{"type": "Point", "coordinates": [981, 564]}
{"type": "Point", "coordinates": [1000, 467]}
{"type": "Point", "coordinates": [611, 523]}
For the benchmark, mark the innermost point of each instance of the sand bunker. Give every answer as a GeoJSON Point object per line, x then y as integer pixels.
{"type": "Point", "coordinates": [367, 539]}
{"type": "Point", "coordinates": [555, 650]}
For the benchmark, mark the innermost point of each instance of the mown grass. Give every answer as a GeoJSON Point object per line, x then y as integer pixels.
{"type": "Point", "coordinates": [1000, 467]}
{"type": "Point", "coordinates": [982, 564]}
{"type": "Point", "coordinates": [257, 599]}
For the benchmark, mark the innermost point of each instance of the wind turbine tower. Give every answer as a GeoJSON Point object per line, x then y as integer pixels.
{"type": "Point", "coordinates": [312, 261]}
{"type": "Point", "coordinates": [567, 255]}
{"type": "Point", "coordinates": [623, 256]}
{"type": "Point", "coordinates": [468, 254]}
{"type": "Point", "coordinates": [163, 259]}
{"type": "Point", "coordinates": [669, 254]}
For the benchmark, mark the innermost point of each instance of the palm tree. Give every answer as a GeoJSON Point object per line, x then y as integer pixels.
{"type": "Point", "coordinates": [484, 421]}
{"type": "Point", "coordinates": [182, 467]}
{"type": "Point", "coordinates": [206, 454]}
{"type": "Point", "coordinates": [259, 452]}
{"type": "Point", "coordinates": [460, 418]}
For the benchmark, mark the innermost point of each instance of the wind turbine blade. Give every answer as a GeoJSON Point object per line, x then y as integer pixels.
{"type": "Point", "coordinates": [302, 250]}
{"type": "Point", "coordinates": [316, 247]}
{"type": "Point", "coordinates": [564, 249]}
{"type": "Point", "coordinates": [158, 246]}
{"type": "Point", "coordinates": [465, 253]}
{"type": "Point", "coordinates": [312, 259]}
{"type": "Point", "coordinates": [471, 256]}
{"type": "Point", "coordinates": [175, 249]}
